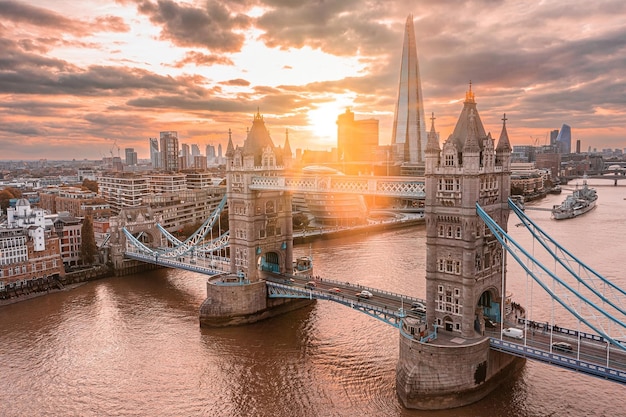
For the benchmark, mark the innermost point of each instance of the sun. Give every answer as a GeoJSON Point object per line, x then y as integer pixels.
{"type": "Point", "coordinates": [323, 119]}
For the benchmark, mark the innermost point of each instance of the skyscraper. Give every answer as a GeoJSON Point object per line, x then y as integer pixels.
{"type": "Point", "coordinates": [155, 155]}
{"type": "Point", "coordinates": [356, 139]}
{"type": "Point", "coordinates": [409, 137]}
{"type": "Point", "coordinates": [131, 156]}
{"type": "Point", "coordinates": [169, 151]}
{"type": "Point", "coordinates": [564, 140]}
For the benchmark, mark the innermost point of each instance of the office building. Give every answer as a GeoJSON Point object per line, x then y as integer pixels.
{"type": "Point", "coordinates": [169, 151]}
{"type": "Point", "coordinates": [131, 156]}
{"type": "Point", "coordinates": [564, 140]}
{"type": "Point", "coordinates": [357, 140]}
{"type": "Point", "coordinates": [155, 155]}
{"type": "Point", "coordinates": [123, 190]}
{"type": "Point", "coordinates": [409, 130]}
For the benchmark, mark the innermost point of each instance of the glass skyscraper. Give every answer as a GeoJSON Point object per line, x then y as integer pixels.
{"type": "Point", "coordinates": [564, 140]}
{"type": "Point", "coordinates": [409, 130]}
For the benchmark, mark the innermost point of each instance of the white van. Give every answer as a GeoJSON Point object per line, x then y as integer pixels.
{"type": "Point", "coordinates": [513, 332]}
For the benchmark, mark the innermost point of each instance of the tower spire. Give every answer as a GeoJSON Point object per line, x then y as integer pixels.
{"type": "Point", "coordinates": [504, 145]}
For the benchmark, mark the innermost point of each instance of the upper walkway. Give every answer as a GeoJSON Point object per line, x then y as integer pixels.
{"type": "Point", "coordinates": [407, 187]}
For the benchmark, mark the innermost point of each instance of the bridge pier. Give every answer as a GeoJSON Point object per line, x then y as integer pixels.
{"type": "Point", "coordinates": [230, 302]}
{"type": "Point", "coordinates": [437, 376]}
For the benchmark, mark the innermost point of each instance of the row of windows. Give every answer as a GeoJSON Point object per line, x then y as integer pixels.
{"type": "Point", "coordinates": [449, 266]}
{"type": "Point", "coordinates": [488, 183]}
{"type": "Point", "coordinates": [449, 231]}
{"type": "Point", "coordinates": [12, 242]}
{"type": "Point", "coordinates": [449, 300]}
{"type": "Point", "coordinates": [270, 231]}
{"type": "Point", "coordinates": [12, 255]}
{"type": "Point", "coordinates": [449, 184]}
{"type": "Point", "coordinates": [23, 269]}
{"type": "Point", "coordinates": [241, 257]}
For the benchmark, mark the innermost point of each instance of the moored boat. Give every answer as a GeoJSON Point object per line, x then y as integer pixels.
{"type": "Point", "coordinates": [581, 201]}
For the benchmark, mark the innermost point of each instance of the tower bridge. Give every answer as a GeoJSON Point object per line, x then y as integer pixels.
{"type": "Point", "coordinates": [449, 348]}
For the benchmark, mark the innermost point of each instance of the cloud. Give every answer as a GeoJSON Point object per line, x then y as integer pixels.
{"type": "Point", "coordinates": [212, 27]}
{"type": "Point", "coordinates": [199, 59]}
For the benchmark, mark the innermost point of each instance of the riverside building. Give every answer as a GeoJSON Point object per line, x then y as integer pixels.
{"type": "Point", "coordinates": [29, 252]}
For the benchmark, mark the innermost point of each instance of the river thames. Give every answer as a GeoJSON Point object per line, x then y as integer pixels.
{"type": "Point", "coordinates": [132, 346]}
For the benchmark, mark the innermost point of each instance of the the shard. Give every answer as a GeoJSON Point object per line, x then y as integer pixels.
{"type": "Point", "coordinates": [409, 129]}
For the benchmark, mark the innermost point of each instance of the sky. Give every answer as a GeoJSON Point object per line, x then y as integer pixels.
{"type": "Point", "coordinates": [85, 79]}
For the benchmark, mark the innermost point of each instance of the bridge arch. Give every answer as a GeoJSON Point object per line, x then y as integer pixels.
{"type": "Point", "coordinates": [270, 261]}
{"type": "Point", "coordinates": [487, 308]}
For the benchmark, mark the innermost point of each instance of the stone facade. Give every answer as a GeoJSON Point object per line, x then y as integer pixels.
{"type": "Point", "coordinates": [465, 268]}
{"type": "Point", "coordinates": [436, 377]}
{"type": "Point", "coordinates": [260, 222]}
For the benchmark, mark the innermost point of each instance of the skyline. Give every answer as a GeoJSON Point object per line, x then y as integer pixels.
{"type": "Point", "coordinates": [81, 79]}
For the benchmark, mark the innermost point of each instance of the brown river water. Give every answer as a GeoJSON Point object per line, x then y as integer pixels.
{"type": "Point", "coordinates": [132, 346]}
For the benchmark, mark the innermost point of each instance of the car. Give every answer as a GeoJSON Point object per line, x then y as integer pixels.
{"type": "Point", "coordinates": [289, 281]}
{"type": "Point", "coordinates": [562, 347]}
{"type": "Point", "coordinates": [490, 324]}
{"type": "Point", "coordinates": [364, 294]}
{"type": "Point", "coordinates": [513, 332]}
{"type": "Point", "coordinates": [418, 307]}
{"type": "Point", "coordinates": [310, 285]}
{"type": "Point", "coordinates": [418, 311]}
{"type": "Point", "coordinates": [334, 289]}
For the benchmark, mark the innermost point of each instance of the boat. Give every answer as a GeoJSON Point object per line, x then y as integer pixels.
{"type": "Point", "coordinates": [576, 204]}
{"type": "Point", "coordinates": [303, 266]}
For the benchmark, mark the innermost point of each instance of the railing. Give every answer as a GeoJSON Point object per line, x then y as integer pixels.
{"type": "Point", "coordinates": [589, 368]}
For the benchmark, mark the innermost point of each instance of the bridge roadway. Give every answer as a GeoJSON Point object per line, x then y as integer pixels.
{"type": "Point", "coordinates": [386, 306]}
{"type": "Point", "coordinates": [589, 356]}
{"type": "Point", "coordinates": [589, 353]}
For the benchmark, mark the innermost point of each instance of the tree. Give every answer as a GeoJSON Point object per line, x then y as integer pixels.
{"type": "Point", "coordinates": [90, 185]}
{"type": "Point", "coordinates": [88, 247]}
{"type": "Point", "coordinates": [300, 221]}
{"type": "Point", "coordinates": [7, 194]}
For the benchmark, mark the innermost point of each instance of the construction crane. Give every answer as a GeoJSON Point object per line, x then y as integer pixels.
{"type": "Point", "coordinates": [114, 146]}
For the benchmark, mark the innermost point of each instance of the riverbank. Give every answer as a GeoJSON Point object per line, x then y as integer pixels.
{"type": "Point", "coordinates": [70, 281]}
{"type": "Point", "coordinates": [373, 226]}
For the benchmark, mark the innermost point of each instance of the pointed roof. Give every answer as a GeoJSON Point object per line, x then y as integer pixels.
{"type": "Point", "coordinates": [287, 148]}
{"type": "Point", "coordinates": [471, 141]}
{"type": "Point", "coordinates": [503, 143]}
{"type": "Point", "coordinates": [230, 148]}
{"type": "Point", "coordinates": [462, 128]}
{"type": "Point", "coordinates": [258, 137]}
{"type": "Point", "coordinates": [433, 141]}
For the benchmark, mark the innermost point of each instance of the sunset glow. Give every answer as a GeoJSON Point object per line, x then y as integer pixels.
{"type": "Point", "coordinates": [76, 77]}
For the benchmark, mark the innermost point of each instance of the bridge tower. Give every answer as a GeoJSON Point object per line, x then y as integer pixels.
{"type": "Point", "coordinates": [464, 267]}
{"type": "Point", "coordinates": [260, 222]}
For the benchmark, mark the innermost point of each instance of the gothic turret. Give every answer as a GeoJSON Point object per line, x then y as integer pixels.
{"type": "Point", "coordinates": [503, 150]}
{"type": "Point", "coordinates": [432, 152]}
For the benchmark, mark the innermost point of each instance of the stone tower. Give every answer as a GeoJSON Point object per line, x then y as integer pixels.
{"type": "Point", "coordinates": [261, 231]}
{"type": "Point", "coordinates": [464, 270]}
{"type": "Point", "coordinates": [464, 260]}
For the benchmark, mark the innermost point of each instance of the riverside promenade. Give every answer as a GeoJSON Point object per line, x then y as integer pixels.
{"type": "Point", "coordinates": [374, 224]}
